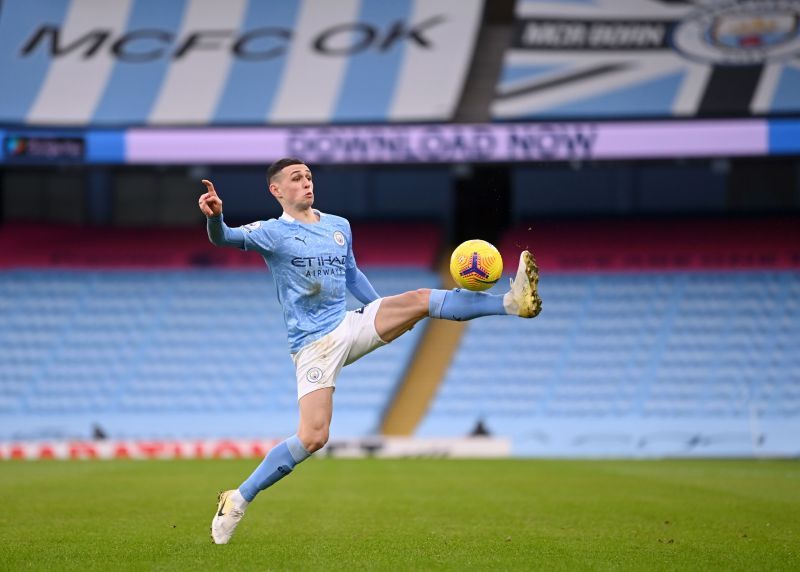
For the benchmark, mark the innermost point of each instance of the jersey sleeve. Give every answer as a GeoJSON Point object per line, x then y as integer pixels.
{"type": "Point", "coordinates": [220, 234]}
{"type": "Point", "coordinates": [360, 286]}
{"type": "Point", "coordinates": [257, 237]}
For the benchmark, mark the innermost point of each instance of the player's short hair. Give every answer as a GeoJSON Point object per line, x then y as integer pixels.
{"type": "Point", "coordinates": [280, 164]}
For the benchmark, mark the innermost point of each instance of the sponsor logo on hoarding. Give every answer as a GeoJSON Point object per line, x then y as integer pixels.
{"type": "Point", "coordinates": [248, 448]}
{"type": "Point", "coordinates": [156, 449]}
{"type": "Point", "coordinates": [43, 148]}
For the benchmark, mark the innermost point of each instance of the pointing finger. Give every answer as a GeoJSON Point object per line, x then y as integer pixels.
{"type": "Point", "coordinates": [209, 187]}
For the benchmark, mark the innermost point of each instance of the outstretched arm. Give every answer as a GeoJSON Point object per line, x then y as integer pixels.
{"type": "Point", "coordinates": [219, 233]}
{"type": "Point", "coordinates": [359, 286]}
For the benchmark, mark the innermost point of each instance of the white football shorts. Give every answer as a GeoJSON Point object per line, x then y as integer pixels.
{"type": "Point", "coordinates": [318, 364]}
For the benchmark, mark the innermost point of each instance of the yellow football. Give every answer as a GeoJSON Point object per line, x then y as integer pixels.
{"type": "Point", "coordinates": [476, 265]}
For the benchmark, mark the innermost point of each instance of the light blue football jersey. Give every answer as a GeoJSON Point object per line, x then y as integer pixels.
{"type": "Point", "coordinates": [308, 263]}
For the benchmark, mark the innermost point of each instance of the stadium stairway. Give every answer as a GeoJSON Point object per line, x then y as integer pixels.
{"type": "Point", "coordinates": [438, 343]}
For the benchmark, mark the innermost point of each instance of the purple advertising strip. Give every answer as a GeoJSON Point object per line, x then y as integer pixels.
{"type": "Point", "coordinates": [507, 142]}
{"type": "Point", "coordinates": [180, 146]}
{"type": "Point", "coordinates": [682, 139]}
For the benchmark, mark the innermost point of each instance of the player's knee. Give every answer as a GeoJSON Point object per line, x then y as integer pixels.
{"type": "Point", "coordinates": [316, 442]}
{"type": "Point", "coordinates": [315, 439]}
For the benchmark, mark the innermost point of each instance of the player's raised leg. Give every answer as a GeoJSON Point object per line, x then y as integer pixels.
{"type": "Point", "coordinates": [398, 314]}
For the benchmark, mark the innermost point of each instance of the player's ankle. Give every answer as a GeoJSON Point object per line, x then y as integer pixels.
{"type": "Point", "coordinates": [238, 500]}
{"type": "Point", "coordinates": [510, 304]}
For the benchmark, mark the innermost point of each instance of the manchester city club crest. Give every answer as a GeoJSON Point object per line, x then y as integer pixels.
{"type": "Point", "coordinates": [338, 237]}
{"type": "Point", "coordinates": [314, 374]}
{"type": "Point", "coordinates": [741, 33]}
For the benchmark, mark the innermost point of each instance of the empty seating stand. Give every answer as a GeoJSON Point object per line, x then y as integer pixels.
{"type": "Point", "coordinates": [642, 363]}
{"type": "Point", "coordinates": [170, 354]}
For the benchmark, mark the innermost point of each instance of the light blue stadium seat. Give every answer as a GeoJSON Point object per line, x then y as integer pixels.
{"type": "Point", "coordinates": [670, 350]}
{"type": "Point", "coordinates": [184, 353]}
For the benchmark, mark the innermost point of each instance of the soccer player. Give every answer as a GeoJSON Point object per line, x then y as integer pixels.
{"type": "Point", "coordinates": [310, 254]}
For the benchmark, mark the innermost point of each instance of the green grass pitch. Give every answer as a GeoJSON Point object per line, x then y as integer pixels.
{"type": "Point", "coordinates": [419, 514]}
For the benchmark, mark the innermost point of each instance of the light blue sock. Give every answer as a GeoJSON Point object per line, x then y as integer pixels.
{"type": "Point", "coordinates": [278, 463]}
{"type": "Point", "coordinates": [461, 305]}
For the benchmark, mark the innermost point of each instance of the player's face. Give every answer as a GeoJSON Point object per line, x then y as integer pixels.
{"type": "Point", "coordinates": [295, 186]}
